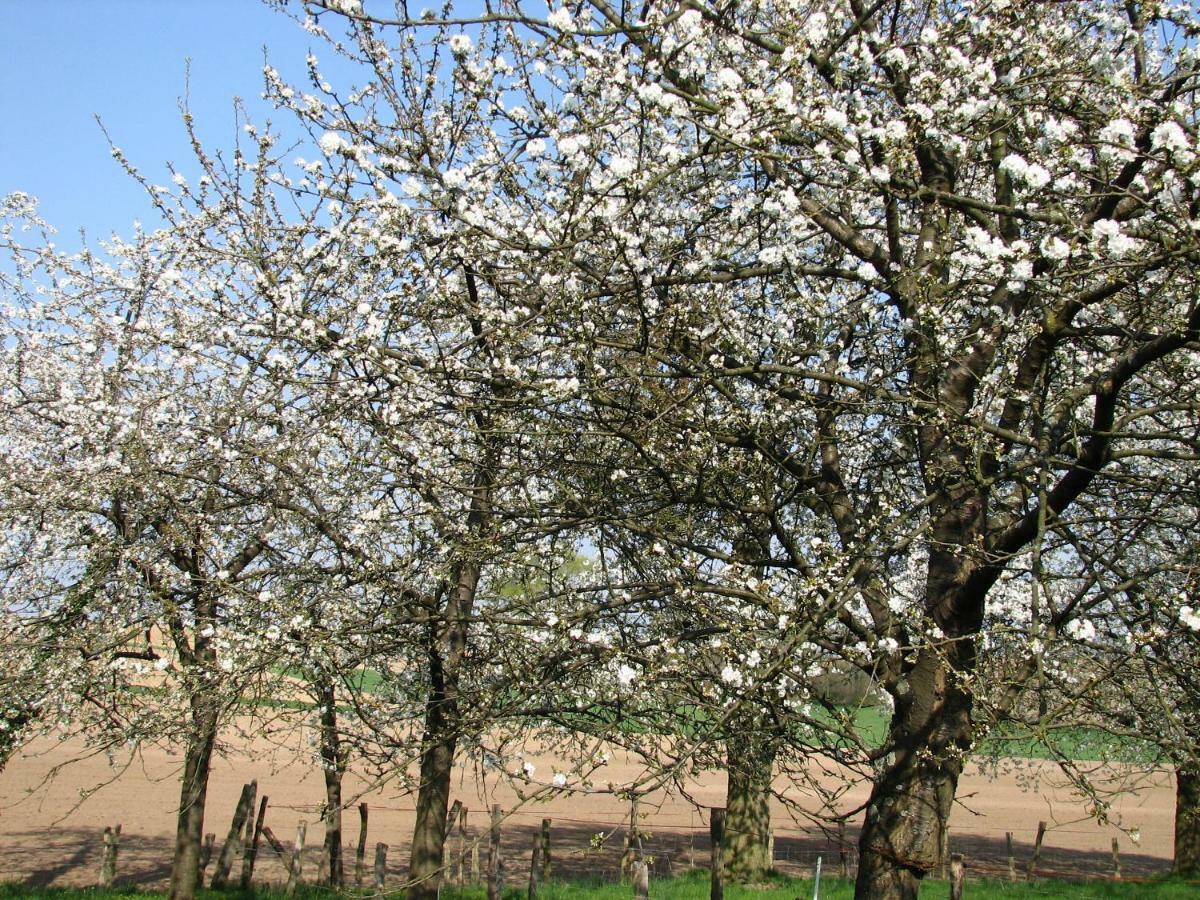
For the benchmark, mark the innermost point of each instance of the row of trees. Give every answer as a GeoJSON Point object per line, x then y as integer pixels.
{"type": "Point", "coordinates": [623, 373]}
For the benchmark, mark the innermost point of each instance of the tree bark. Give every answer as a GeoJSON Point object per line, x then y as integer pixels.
{"type": "Point", "coordinates": [447, 647]}
{"type": "Point", "coordinates": [189, 831]}
{"type": "Point", "coordinates": [751, 759]}
{"type": "Point", "coordinates": [440, 739]}
{"type": "Point", "coordinates": [1187, 821]}
{"type": "Point", "coordinates": [912, 798]}
{"type": "Point", "coordinates": [332, 765]}
{"type": "Point", "coordinates": [433, 798]}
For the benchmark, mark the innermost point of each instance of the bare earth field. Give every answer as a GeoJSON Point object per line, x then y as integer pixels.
{"type": "Point", "coordinates": [51, 835]}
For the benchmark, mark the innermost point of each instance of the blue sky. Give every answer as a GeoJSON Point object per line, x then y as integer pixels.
{"type": "Point", "coordinates": [62, 62]}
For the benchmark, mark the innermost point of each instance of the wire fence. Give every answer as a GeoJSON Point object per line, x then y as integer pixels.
{"type": "Point", "coordinates": [589, 849]}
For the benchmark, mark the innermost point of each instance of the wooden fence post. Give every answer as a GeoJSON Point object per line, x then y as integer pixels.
{"type": "Point", "coordinates": [361, 852]}
{"type": "Point", "coordinates": [450, 862]}
{"type": "Point", "coordinates": [233, 840]}
{"type": "Point", "coordinates": [108, 863]}
{"type": "Point", "coordinates": [461, 874]}
{"type": "Point", "coordinates": [716, 830]}
{"type": "Point", "coordinates": [254, 835]}
{"type": "Point", "coordinates": [843, 854]}
{"type": "Point", "coordinates": [495, 866]}
{"type": "Point", "coordinates": [535, 867]}
{"type": "Point", "coordinates": [641, 879]}
{"type": "Point", "coordinates": [380, 865]}
{"type": "Point", "coordinates": [1012, 859]}
{"type": "Point", "coordinates": [297, 859]}
{"type": "Point", "coordinates": [1037, 848]}
{"type": "Point", "coordinates": [277, 845]}
{"type": "Point", "coordinates": [1116, 847]}
{"type": "Point", "coordinates": [206, 852]}
{"type": "Point", "coordinates": [475, 862]}
{"type": "Point", "coordinates": [957, 875]}
{"type": "Point", "coordinates": [545, 839]}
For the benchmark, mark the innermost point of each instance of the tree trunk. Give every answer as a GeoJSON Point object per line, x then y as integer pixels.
{"type": "Point", "coordinates": [433, 798]}
{"type": "Point", "coordinates": [332, 765]}
{"type": "Point", "coordinates": [912, 797]}
{"type": "Point", "coordinates": [751, 759]}
{"type": "Point", "coordinates": [1187, 821]}
{"type": "Point", "coordinates": [185, 868]}
{"type": "Point", "coordinates": [447, 647]}
{"type": "Point", "coordinates": [439, 742]}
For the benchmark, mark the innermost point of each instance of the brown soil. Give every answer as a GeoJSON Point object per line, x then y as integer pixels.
{"type": "Point", "coordinates": [51, 820]}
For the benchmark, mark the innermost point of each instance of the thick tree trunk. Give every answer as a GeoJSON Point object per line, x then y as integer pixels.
{"type": "Point", "coordinates": [185, 868]}
{"type": "Point", "coordinates": [1187, 821]}
{"type": "Point", "coordinates": [332, 766]}
{"type": "Point", "coordinates": [751, 759]}
{"type": "Point", "coordinates": [443, 727]}
{"type": "Point", "coordinates": [433, 799]}
{"type": "Point", "coordinates": [912, 797]}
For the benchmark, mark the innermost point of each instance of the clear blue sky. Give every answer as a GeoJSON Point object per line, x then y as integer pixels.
{"type": "Point", "coordinates": [62, 62]}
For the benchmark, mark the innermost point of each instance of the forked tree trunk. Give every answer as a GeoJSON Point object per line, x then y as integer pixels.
{"type": "Point", "coordinates": [912, 797]}
{"type": "Point", "coordinates": [1187, 820]}
{"type": "Point", "coordinates": [332, 766]}
{"type": "Point", "coordinates": [751, 760]}
{"type": "Point", "coordinates": [189, 831]}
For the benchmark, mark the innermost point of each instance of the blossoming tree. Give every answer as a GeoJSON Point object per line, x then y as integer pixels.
{"type": "Point", "coordinates": [924, 261]}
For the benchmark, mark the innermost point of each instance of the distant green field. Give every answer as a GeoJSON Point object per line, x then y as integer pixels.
{"type": "Point", "coordinates": [696, 887]}
{"type": "Point", "coordinates": [871, 723]}
{"type": "Point", "coordinates": [1086, 744]}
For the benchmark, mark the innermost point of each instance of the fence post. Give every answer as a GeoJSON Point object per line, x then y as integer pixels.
{"type": "Point", "coordinates": [449, 860]}
{"type": "Point", "coordinates": [641, 879]}
{"type": "Point", "coordinates": [297, 859]}
{"type": "Point", "coordinates": [233, 840]}
{"type": "Point", "coordinates": [254, 836]}
{"type": "Point", "coordinates": [1037, 848]}
{"type": "Point", "coordinates": [716, 830]}
{"type": "Point", "coordinates": [108, 864]}
{"type": "Point", "coordinates": [545, 838]}
{"type": "Point", "coordinates": [843, 855]}
{"type": "Point", "coordinates": [1116, 860]}
{"type": "Point", "coordinates": [817, 881]}
{"type": "Point", "coordinates": [462, 846]}
{"type": "Point", "coordinates": [380, 865]}
{"type": "Point", "coordinates": [1012, 860]}
{"type": "Point", "coordinates": [535, 867]}
{"type": "Point", "coordinates": [360, 852]}
{"type": "Point", "coordinates": [495, 867]}
{"type": "Point", "coordinates": [957, 874]}
{"type": "Point", "coordinates": [206, 852]}
{"type": "Point", "coordinates": [275, 844]}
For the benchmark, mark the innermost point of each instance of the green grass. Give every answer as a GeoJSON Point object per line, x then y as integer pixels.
{"type": "Point", "coordinates": [1080, 743]}
{"type": "Point", "coordinates": [695, 886]}
{"type": "Point", "coordinates": [871, 723]}
{"type": "Point", "coordinates": [1087, 744]}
